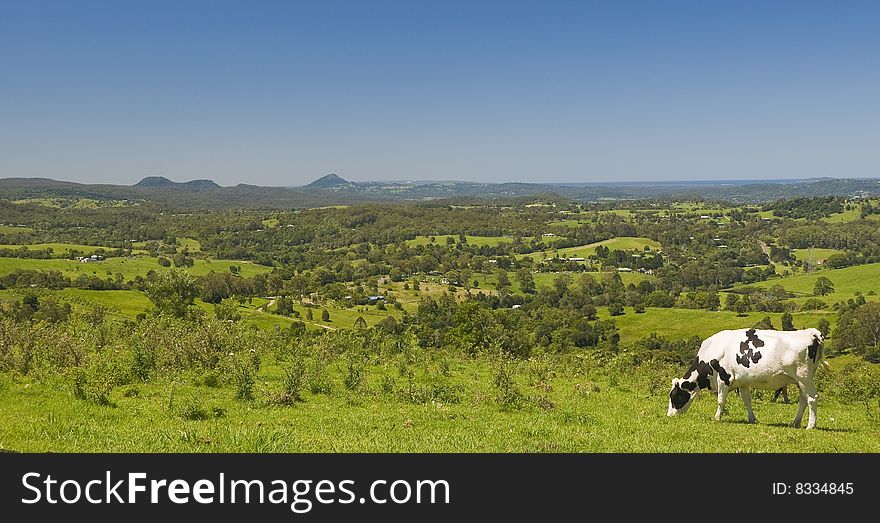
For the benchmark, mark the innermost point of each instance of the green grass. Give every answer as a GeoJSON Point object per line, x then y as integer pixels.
{"type": "Point", "coordinates": [584, 251]}
{"type": "Point", "coordinates": [129, 267]}
{"type": "Point", "coordinates": [62, 250]}
{"type": "Point", "coordinates": [477, 241]}
{"type": "Point", "coordinates": [630, 416]}
{"type": "Point", "coordinates": [565, 223]}
{"type": "Point", "coordinates": [847, 281]}
{"type": "Point", "coordinates": [189, 244]}
{"type": "Point", "coordinates": [11, 229]}
{"type": "Point", "coordinates": [684, 323]}
{"type": "Point", "coordinates": [815, 255]}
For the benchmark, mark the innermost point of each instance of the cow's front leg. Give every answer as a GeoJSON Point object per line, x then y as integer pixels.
{"type": "Point", "coordinates": [722, 395]}
{"type": "Point", "coordinates": [747, 401]}
{"type": "Point", "coordinates": [812, 401]}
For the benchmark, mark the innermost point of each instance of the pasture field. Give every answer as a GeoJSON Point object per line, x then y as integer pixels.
{"type": "Point", "coordinates": [12, 229]}
{"type": "Point", "coordinates": [684, 323]}
{"type": "Point", "coordinates": [129, 267]}
{"type": "Point", "coordinates": [62, 250]}
{"type": "Point", "coordinates": [815, 255]}
{"type": "Point", "coordinates": [478, 241]}
{"type": "Point", "coordinates": [851, 215]}
{"type": "Point", "coordinates": [190, 244]}
{"type": "Point", "coordinates": [584, 251]}
{"type": "Point", "coordinates": [847, 281]}
{"type": "Point", "coordinates": [577, 410]}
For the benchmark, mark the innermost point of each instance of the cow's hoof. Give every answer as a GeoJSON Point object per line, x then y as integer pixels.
{"type": "Point", "coordinates": [753, 421]}
{"type": "Point", "coordinates": [795, 424]}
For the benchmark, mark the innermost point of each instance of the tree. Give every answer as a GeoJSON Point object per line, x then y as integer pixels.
{"type": "Point", "coordinates": [766, 323]}
{"type": "Point", "coordinates": [824, 327]}
{"type": "Point", "coordinates": [502, 282]}
{"type": "Point", "coordinates": [173, 293]}
{"type": "Point", "coordinates": [787, 322]}
{"type": "Point", "coordinates": [325, 315]}
{"type": "Point", "coordinates": [712, 302]}
{"type": "Point", "coordinates": [823, 286]}
{"type": "Point", "coordinates": [730, 301]}
{"type": "Point", "coordinates": [859, 329]}
{"type": "Point", "coordinates": [743, 306]}
{"type": "Point", "coordinates": [526, 280]}
{"type": "Point", "coordinates": [227, 310]}
{"type": "Point", "coordinates": [182, 260]}
{"type": "Point", "coordinates": [359, 324]}
{"type": "Point", "coordinates": [283, 305]}
{"type": "Point", "coordinates": [615, 308]}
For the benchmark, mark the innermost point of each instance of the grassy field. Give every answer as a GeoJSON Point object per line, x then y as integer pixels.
{"type": "Point", "coordinates": [11, 229]}
{"type": "Point", "coordinates": [584, 251]}
{"type": "Point", "coordinates": [189, 244]}
{"type": "Point", "coordinates": [684, 323]}
{"type": "Point", "coordinates": [815, 255]}
{"type": "Point", "coordinates": [578, 413]}
{"type": "Point", "coordinates": [847, 281]}
{"type": "Point", "coordinates": [129, 267]}
{"type": "Point", "coordinates": [62, 250]}
{"type": "Point", "coordinates": [477, 241]}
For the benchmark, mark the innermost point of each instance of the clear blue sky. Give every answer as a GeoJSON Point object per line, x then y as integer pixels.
{"type": "Point", "coordinates": [280, 93]}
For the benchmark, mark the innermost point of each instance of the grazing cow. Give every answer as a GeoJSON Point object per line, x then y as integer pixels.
{"type": "Point", "coordinates": [753, 359]}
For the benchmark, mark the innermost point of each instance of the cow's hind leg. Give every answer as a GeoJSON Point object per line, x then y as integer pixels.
{"type": "Point", "coordinates": [746, 396]}
{"type": "Point", "coordinates": [722, 395]}
{"type": "Point", "coordinates": [802, 404]}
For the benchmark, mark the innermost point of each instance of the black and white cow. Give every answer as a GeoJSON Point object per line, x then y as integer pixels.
{"type": "Point", "coordinates": [753, 359]}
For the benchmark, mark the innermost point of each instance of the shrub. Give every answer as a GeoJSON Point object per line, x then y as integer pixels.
{"type": "Point", "coordinates": [814, 304]}
{"type": "Point", "coordinates": [190, 408]}
{"type": "Point", "coordinates": [318, 380]}
{"type": "Point", "coordinates": [243, 370]}
{"type": "Point", "coordinates": [354, 373]}
{"type": "Point", "coordinates": [507, 393]}
{"type": "Point", "coordinates": [293, 381]}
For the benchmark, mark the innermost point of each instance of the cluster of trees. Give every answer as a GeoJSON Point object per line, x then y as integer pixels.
{"type": "Point", "coordinates": [858, 328]}
{"type": "Point", "coordinates": [812, 208]}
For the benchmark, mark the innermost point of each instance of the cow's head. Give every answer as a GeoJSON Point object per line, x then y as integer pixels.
{"type": "Point", "coordinates": [681, 396]}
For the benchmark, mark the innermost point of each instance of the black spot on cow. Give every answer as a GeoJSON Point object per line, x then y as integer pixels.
{"type": "Point", "coordinates": [688, 385]}
{"type": "Point", "coordinates": [813, 349]}
{"type": "Point", "coordinates": [725, 377]}
{"type": "Point", "coordinates": [679, 397]}
{"type": "Point", "coordinates": [753, 337]}
{"type": "Point", "coordinates": [747, 353]}
{"type": "Point", "coordinates": [703, 373]}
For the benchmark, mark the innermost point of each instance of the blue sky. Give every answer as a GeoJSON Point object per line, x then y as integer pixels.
{"type": "Point", "coordinates": [280, 93]}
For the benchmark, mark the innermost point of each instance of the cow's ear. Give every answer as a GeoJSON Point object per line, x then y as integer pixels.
{"type": "Point", "coordinates": [676, 381]}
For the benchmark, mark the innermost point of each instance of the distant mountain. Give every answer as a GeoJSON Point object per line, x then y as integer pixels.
{"type": "Point", "coordinates": [334, 190]}
{"type": "Point", "coordinates": [161, 181]}
{"type": "Point", "coordinates": [155, 181]}
{"type": "Point", "coordinates": [329, 181]}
